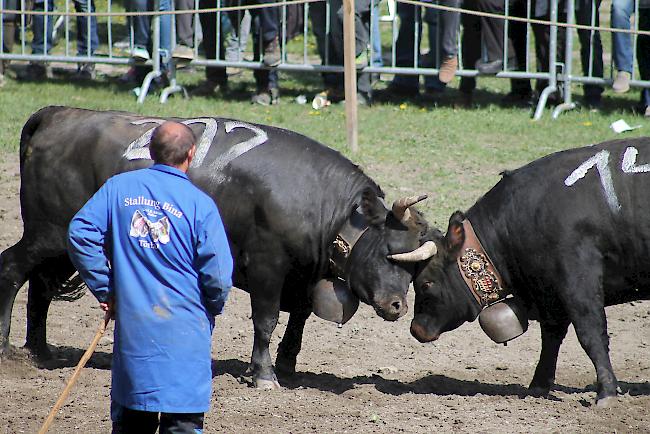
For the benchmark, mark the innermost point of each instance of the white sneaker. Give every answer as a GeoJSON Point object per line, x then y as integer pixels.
{"type": "Point", "coordinates": [622, 82]}
{"type": "Point", "coordinates": [140, 54]}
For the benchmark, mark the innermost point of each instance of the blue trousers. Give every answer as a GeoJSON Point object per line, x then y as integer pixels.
{"type": "Point", "coordinates": [42, 27]}
{"type": "Point", "coordinates": [128, 421]}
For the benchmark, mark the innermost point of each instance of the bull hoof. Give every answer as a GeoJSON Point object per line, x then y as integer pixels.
{"type": "Point", "coordinates": [538, 392]}
{"type": "Point", "coordinates": [606, 402]}
{"type": "Point", "coordinates": [39, 353]}
{"type": "Point", "coordinates": [267, 384]}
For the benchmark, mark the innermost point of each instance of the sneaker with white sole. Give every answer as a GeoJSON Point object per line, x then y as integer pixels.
{"type": "Point", "coordinates": [140, 54]}
{"type": "Point", "coordinates": [622, 82]}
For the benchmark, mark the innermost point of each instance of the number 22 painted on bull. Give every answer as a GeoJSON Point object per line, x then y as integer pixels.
{"type": "Point", "coordinates": [601, 161]}
{"type": "Point", "coordinates": [139, 148]}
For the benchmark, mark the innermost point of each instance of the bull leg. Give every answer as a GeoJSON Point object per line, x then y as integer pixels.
{"type": "Point", "coordinates": [289, 348]}
{"type": "Point", "coordinates": [591, 329]}
{"type": "Point", "coordinates": [39, 297]}
{"type": "Point", "coordinates": [585, 305]}
{"type": "Point", "coordinates": [552, 336]}
{"type": "Point", "coordinates": [265, 281]}
{"type": "Point", "coordinates": [14, 268]}
{"type": "Point", "coordinates": [44, 282]}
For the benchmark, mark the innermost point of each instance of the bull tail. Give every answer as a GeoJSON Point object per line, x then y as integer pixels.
{"type": "Point", "coordinates": [31, 126]}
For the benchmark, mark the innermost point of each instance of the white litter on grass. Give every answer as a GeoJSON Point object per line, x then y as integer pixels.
{"type": "Point", "coordinates": [620, 126]}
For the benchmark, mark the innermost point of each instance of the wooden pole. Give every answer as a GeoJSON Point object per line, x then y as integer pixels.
{"type": "Point", "coordinates": [350, 71]}
{"type": "Point", "coordinates": [84, 359]}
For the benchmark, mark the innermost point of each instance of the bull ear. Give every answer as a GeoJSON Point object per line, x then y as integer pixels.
{"type": "Point", "coordinates": [455, 233]}
{"type": "Point", "coordinates": [372, 207]}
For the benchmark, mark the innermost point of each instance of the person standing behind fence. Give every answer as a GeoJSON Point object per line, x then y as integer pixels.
{"type": "Point", "coordinates": [8, 34]}
{"type": "Point", "coordinates": [266, 45]}
{"type": "Point", "coordinates": [153, 250]}
{"type": "Point", "coordinates": [622, 44]}
{"type": "Point", "coordinates": [142, 33]}
{"type": "Point", "coordinates": [591, 47]}
{"type": "Point", "coordinates": [643, 54]}
{"type": "Point", "coordinates": [443, 46]}
{"type": "Point", "coordinates": [330, 49]}
{"type": "Point", "coordinates": [42, 26]}
{"type": "Point", "coordinates": [183, 50]}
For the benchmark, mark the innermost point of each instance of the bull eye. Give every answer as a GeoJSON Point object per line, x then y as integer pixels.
{"type": "Point", "coordinates": [427, 285]}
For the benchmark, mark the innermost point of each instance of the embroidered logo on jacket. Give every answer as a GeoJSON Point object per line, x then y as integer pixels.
{"type": "Point", "coordinates": [141, 226]}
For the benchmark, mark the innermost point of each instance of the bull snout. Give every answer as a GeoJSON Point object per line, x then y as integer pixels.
{"type": "Point", "coordinates": [421, 332]}
{"type": "Point", "coordinates": [392, 309]}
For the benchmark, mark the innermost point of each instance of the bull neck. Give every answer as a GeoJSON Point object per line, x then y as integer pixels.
{"type": "Point", "coordinates": [169, 169]}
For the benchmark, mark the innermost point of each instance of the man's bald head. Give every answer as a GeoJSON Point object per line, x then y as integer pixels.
{"type": "Point", "coordinates": [171, 143]}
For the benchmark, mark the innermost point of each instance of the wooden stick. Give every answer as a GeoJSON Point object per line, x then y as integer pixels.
{"type": "Point", "coordinates": [84, 359]}
{"type": "Point", "coordinates": [350, 75]}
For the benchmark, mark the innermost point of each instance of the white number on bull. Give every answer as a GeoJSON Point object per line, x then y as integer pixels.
{"type": "Point", "coordinates": [139, 148]}
{"type": "Point", "coordinates": [235, 151]}
{"type": "Point", "coordinates": [601, 161]}
{"type": "Point", "coordinates": [629, 162]}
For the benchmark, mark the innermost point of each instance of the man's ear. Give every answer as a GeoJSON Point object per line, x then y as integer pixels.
{"type": "Point", "coordinates": [372, 207]}
{"type": "Point", "coordinates": [455, 233]}
{"type": "Point", "coordinates": [191, 153]}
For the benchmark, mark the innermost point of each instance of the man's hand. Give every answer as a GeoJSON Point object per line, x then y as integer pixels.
{"type": "Point", "coordinates": [108, 307]}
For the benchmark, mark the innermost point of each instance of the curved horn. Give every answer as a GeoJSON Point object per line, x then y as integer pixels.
{"type": "Point", "coordinates": [425, 251]}
{"type": "Point", "coordinates": [401, 207]}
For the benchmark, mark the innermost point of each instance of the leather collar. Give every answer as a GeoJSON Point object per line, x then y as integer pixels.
{"type": "Point", "coordinates": [353, 229]}
{"type": "Point", "coordinates": [478, 271]}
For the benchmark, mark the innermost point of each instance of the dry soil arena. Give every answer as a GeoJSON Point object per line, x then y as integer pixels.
{"type": "Point", "coordinates": [370, 376]}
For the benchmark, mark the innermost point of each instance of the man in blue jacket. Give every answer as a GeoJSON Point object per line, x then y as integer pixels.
{"type": "Point", "coordinates": [152, 249]}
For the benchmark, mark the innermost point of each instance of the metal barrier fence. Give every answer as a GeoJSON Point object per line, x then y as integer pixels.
{"type": "Point", "coordinates": [557, 71]}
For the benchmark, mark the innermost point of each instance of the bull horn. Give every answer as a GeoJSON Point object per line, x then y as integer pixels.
{"type": "Point", "coordinates": [401, 207]}
{"type": "Point", "coordinates": [425, 251]}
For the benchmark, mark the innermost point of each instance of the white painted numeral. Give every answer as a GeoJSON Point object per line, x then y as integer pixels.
{"type": "Point", "coordinates": [235, 151]}
{"type": "Point", "coordinates": [139, 148]}
{"type": "Point", "coordinates": [601, 161]}
{"type": "Point", "coordinates": [629, 162]}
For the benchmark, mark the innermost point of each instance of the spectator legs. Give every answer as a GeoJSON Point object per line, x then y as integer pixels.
{"type": "Point", "coordinates": [591, 49]}
{"type": "Point", "coordinates": [42, 26]}
{"type": "Point", "coordinates": [184, 23]}
{"type": "Point", "coordinates": [643, 57]}
{"type": "Point", "coordinates": [622, 42]}
{"type": "Point", "coordinates": [82, 29]}
{"type": "Point", "coordinates": [215, 75]}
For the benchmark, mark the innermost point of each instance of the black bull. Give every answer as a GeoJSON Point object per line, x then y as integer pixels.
{"type": "Point", "coordinates": [283, 198]}
{"type": "Point", "coordinates": [569, 234]}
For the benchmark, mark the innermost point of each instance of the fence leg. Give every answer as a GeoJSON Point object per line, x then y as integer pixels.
{"type": "Point", "coordinates": [552, 67]}
{"type": "Point", "coordinates": [173, 87]}
{"type": "Point", "coordinates": [568, 104]}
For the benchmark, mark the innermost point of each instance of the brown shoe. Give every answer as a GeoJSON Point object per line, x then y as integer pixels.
{"type": "Point", "coordinates": [448, 69]}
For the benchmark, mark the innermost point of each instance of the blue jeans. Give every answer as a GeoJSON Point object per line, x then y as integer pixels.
{"type": "Point", "coordinates": [375, 38]}
{"type": "Point", "coordinates": [39, 27]}
{"type": "Point", "coordinates": [405, 55]}
{"type": "Point", "coordinates": [622, 10]}
{"type": "Point", "coordinates": [142, 31]}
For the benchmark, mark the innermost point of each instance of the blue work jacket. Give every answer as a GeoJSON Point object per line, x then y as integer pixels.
{"type": "Point", "coordinates": [155, 244]}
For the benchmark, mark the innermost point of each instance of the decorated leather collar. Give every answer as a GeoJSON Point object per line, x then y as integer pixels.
{"type": "Point", "coordinates": [350, 233]}
{"type": "Point", "coordinates": [478, 271]}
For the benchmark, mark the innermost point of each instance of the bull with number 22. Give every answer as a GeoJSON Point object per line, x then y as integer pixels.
{"type": "Point", "coordinates": [309, 231]}
{"type": "Point", "coordinates": [556, 240]}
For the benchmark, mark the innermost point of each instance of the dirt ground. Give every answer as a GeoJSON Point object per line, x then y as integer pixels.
{"type": "Point", "coordinates": [370, 376]}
